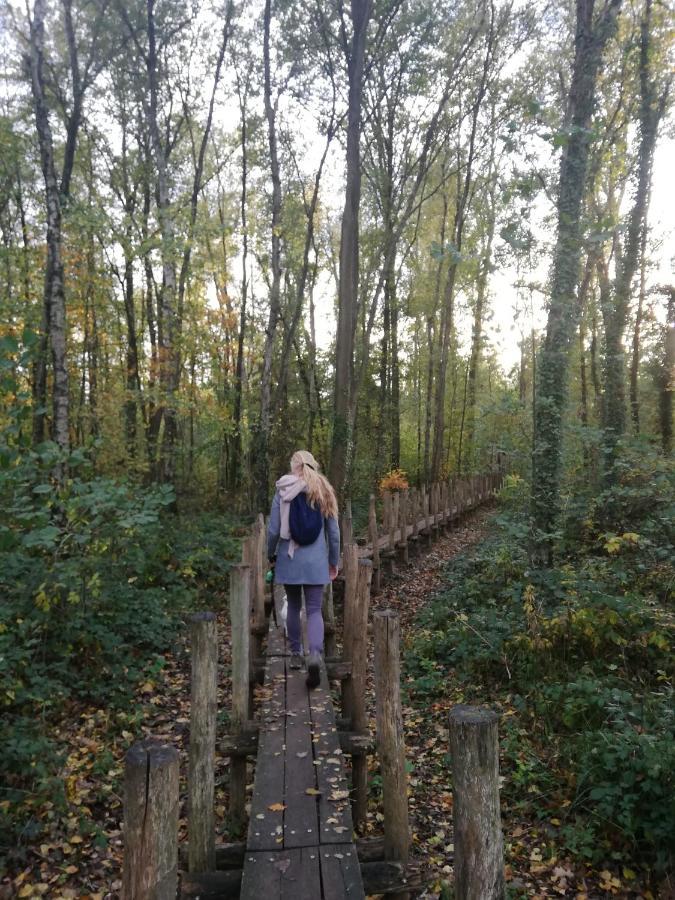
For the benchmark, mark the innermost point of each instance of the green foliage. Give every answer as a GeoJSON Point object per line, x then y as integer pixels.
{"type": "Point", "coordinates": [580, 656]}
{"type": "Point", "coordinates": [95, 575]}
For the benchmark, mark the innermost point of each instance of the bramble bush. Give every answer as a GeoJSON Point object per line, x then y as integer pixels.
{"type": "Point", "coordinates": [582, 652]}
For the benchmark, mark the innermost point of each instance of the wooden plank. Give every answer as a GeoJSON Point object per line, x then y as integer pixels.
{"type": "Point", "coordinates": [282, 875]}
{"type": "Point", "coordinates": [335, 817]}
{"type": "Point", "coordinates": [265, 830]}
{"type": "Point", "coordinates": [301, 821]}
{"type": "Point", "coordinates": [341, 872]}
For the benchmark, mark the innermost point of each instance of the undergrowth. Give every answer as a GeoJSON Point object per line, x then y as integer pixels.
{"type": "Point", "coordinates": [96, 576]}
{"type": "Point", "coordinates": [579, 660]}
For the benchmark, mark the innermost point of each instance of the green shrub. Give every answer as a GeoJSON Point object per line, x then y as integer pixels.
{"type": "Point", "coordinates": [582, 653]}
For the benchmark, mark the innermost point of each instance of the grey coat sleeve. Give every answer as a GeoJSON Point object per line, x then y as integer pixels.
{"type": "Point", "coordinates": [333, 541]}
{"type": "Point", "coordinates": [274, 527]}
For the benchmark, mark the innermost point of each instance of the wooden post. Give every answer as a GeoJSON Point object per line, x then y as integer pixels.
{"type": "Point", "coordinates": [386, 515]}
{"type": "Point", "coordinates": [347, 525]}
{"type": "Point", "coordinates": [479, 856]}
{"type": "Point", "coordinates": [150, 869]}
{"type": "Point", "coordinates": [427, 515]}
{"type": "Point", "coordinates": [395, 506]}
{"type": "Point", "coordinates": [374, 541]}
{"type": "Point", "coordinates": [415, 504]}
{"type": "Point", "coordinates": [259, 573]}
{"type": "Point", "coordinates": [328, 612]}
{"type": "Point", "coordinates": [403, 526]}
{"type": "Point", "coordinates": [202, 756]}
{"type": "Point", "coordinates": [390, 745]}
{"type": "Point", "coordinates": [434, 508]}
{"type": "Point", "coordinates": [240, 604]}
{"type": "Point", "coordinates": [354, 687]}
{"type": "Point", "coordinates": [350, 561]}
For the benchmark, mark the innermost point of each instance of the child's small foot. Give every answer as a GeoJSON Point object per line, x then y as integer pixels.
{"type": "Point", "coordinates": [313, 670]}
{"type": "Point", "coordinates": [296, 661]}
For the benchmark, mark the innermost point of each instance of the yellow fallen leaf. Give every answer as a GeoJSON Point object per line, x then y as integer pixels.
{"type": "Point", "coordinates": [277, 807]}
{"type": "Point", "coordinates": [147, 688]}
{"type": "Point", "coordinates": [312, 792]}
{"type": "Point", "coordinates": [629, 874]}
{"type": "Point", "coordinates": [71, 870]}
{"type": "Point", "coordinates": [26, 891]}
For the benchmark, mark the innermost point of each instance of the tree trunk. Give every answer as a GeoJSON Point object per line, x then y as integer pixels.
{"type": "Point", "coordinates": [635, 357]}
{"type": "Point", "coordinates": [262, 430]}
{"type": "Point", "coordinates": [615, 309]}
{"type": "Point", "coordinates": [234, 471]}
{"type": "Point", "coordinates": [169, 334]}
{"type": "Point", "coordinates": [54, 294]}
{"type": "Point", "coordinates": [667, 377]}
{"type": "Point", "coordinates": [341, 448]}
{"type": "Point", "coordinates": [590, 41]}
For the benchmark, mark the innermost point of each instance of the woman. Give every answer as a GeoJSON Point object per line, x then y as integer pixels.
{"type": "Point", "coordinates": [301, 566]}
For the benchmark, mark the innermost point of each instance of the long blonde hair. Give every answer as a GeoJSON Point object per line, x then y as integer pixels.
{"type": "Point", "coordinates": [319, 489]}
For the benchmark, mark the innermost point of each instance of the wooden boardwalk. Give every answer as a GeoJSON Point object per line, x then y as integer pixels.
{"type": "Point", "coordinates": [299, 842]}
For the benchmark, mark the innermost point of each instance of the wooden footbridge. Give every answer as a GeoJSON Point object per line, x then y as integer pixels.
{"type": "Point", "coordinates": [310, 787]}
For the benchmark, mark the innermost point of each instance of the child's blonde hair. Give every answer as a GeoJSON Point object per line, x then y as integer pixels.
{"type": "Point", "coordinates": [319, 489]}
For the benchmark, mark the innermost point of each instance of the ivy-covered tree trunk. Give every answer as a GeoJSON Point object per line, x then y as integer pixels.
{"type": "Point", "coordinates": [666, 377]}
{"type": "Point", "coordinates": [615, 304]}
{"type": "Point", "coordinates": [591, 37]}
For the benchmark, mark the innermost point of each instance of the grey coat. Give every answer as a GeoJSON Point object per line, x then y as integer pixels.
{"type": "Point", "coordinates": [309, 564]}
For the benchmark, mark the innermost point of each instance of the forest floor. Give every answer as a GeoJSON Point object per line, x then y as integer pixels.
{"type": "Point", "coordinates": [79, 852]}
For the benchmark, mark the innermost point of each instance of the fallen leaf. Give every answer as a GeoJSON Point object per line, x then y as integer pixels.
{"type": "Point", "coordinates": [276, 807]}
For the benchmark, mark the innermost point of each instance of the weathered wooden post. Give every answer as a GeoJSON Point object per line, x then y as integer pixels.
{"type": "Point", "coordinates": [375, 542]}
{"type": "Point", "coordinates": [390, 745]}
{"type": "Point", "coordinates": [479, 854]}
{"type": "Point", "coordinates": [240, 604]}
{"type": "Point", "coordinates": [150, 870]}
{"type": "Point", "coordinates": [395, 507]}
{"type": "Point", "coordinates": [252, 556]}
{"type": "Point", "coordinates": [445, 516]}
{"type": "Point", "coordinates": [403, 527]}
{"type": "Point", "coordinates": [388, 528]}
{"type": "Point", "coordinates": [435, 497]}
{"type": "Point", "coordinates": [354, 687]}
{"type": "Point", "coordinates": [462, 498]}
{"type": "Point", "coordinates": [350, 561]}
{"type": "Point", "coordinates": [202, 755]}
{"type": "Point", "coordinates": [386, 515]}
{"type": "Point", "coordinates": [328, 611]}
{"type": "Point", "coordinates": [259, 574]}
{"type": "Point", "coordinates": [427, 516]}
{"type": "Point", "coordinates": [347, 524]}
{"type": "Point", "coordinates": [415, 513]}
